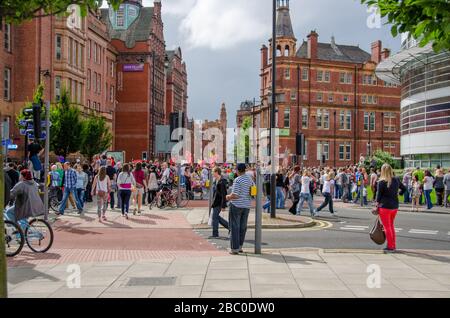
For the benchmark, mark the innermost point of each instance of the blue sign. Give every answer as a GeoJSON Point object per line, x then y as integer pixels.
{"type": "Point", "coordinates": [13, 147]}
{"type": "Point", "coordinates": [43, 135]}
{"type": "Point", "coordinates": [23, 132]}
{"type": "Point", "coordinates": [6, 142]}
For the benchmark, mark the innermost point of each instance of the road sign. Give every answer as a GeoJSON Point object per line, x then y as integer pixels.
{"type": "Point", "coordinates": [13, 147]}
{"type": "Point", "coordinates": [23, 132]}
{"type": "Point", "coordinates": [6, 142]}
{"type": "Point", "coordinates": [31, 135]}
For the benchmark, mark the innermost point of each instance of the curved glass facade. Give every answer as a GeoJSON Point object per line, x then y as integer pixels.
{"type": "Point", "coordinates": [425, 111]}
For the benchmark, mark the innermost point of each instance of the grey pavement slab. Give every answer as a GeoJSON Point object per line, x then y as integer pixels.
{"type": "Point", "coordinates": [276, 291]}
{"type": "Point", "coordinates": [314, 273]}
{"type": "Point", "coordinates": [272, 279]}
{"type": "Point", "coordinates": [226, 295]}
{"type": "Point", "coordinates": [227, 274]}
{"type": "Point", "coordinates": [176, 292]}
{"type": "Point", "coordinates": [324, 284]}
{"type": "Point", "coordinates": [84, 292]}
{"type": "Point", "coordinates": [269, 269]}
{"type": "Point", "coordinates": [226, 285]}
{"type": "Point", "coordinates": [418, 284]}
{"type": "Point", "coordinates": [190, 280]}
{"type": "Point", "coordinates": [427, 294]}
{"type": "Point", "coordinates": [328, 294]}
{"type": "Point", "coordinates": [386, 291]}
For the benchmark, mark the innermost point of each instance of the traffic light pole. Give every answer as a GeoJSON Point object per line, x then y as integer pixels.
{"type": "Point", "coordinates": [3, 268]}
{"type": "Point", "coordinates": [272, 117]}
{"type": "Point", "coordinates": [180, 125]}
{"type": "Point", "coordinates": [47, 152]}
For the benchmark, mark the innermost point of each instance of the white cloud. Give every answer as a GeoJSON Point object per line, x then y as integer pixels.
{"type": "Point", "coordinates": [218, 24]}
{"type": "Point", "coordinates": [179, 8]}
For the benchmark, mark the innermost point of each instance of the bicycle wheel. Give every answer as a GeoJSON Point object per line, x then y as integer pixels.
{"type": "Point", "coordinates": [39, 235]}
{"type": "Point", "coordinates": [54, 204]}
{"type": "Point", "coordinates": [14, 239]}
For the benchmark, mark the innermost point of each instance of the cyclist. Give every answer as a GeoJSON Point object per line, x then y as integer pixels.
{"type": "Point", "coordinates": [28, 203]}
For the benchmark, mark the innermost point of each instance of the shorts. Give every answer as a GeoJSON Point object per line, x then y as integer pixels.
{"type": "Point", "coordinates": [139, 191]}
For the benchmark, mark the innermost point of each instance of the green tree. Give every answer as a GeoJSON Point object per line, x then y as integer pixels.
{"type": "Point", "coordinates": [380, 158]}
{"type": "Point", "coordinates": [243, 144]}
{"type": "Point", "coordinates": [426, 20]}
{"type": "Point", "coordinates": [65, 132]}
{"type": "Point", "coordinates": [95, 136]}
{"type": "Point", "coordinates": [18, 11]}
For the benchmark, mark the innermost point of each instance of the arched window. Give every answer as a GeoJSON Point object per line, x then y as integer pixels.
{"type": "Point", "coordinates": [286, 50]}
{"type": "Point", "coordinates": [279, 52]}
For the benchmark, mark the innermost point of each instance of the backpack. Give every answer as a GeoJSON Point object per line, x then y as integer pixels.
{"type": "Point", "coordinates": [344, 179]}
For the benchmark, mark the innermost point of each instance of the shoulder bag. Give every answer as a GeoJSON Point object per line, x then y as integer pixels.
{"type": "Point", "coordinates": [377, 234]}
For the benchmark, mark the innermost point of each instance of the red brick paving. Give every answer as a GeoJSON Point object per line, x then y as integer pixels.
{"type": "Point", "coordinates": [154, 235]}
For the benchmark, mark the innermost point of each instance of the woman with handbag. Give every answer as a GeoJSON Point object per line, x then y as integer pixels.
{"type": "Point", "coordinates": [101, 187]}
{"type": "Point", "coordinates": [387, 203]}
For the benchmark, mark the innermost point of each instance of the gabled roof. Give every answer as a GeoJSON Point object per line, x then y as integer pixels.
{"type": "Point", "coordinates": [336, 52]}
{"type": "Point", "coordinates": [139, 31]}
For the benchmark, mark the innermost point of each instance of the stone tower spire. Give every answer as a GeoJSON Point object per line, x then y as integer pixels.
{"type": "Point", "coordinates": [286, 41]}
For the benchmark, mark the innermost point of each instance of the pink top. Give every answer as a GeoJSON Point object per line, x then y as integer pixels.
{"type": "Point", "coordinates": [139, 176]}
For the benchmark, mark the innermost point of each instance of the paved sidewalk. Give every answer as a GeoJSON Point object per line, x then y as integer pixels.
{"type": "Point", "coordinates": [199, 217]}
{"type": "Point", "coordinates": [277, 274]}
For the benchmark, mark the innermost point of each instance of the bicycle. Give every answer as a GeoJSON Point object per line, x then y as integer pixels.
{"type": "Point", "coordinates": [37, 233]}
{"type": "Point", "coordinates": [168, 198]}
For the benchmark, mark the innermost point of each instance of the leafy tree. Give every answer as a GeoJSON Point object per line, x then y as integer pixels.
{"type": "Point", "coordinates": [426, 20]}
{"type": "Point", "coordinates": [18, 11]}
{"type": "Point", "coordinates": [65, 132]}
{"type": "Point", "coordinates": [243, 144]}
{"type": "Point", "coordinates": [95, 136]}
{"type": "Point", "coordinates": [380, 158]}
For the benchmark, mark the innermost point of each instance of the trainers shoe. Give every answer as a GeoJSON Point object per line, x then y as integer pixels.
{"type": "Point", "coordinates": [234, 252]}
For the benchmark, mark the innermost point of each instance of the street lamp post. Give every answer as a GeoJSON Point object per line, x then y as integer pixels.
{"type": "Point", "coordinates": [272, 118]}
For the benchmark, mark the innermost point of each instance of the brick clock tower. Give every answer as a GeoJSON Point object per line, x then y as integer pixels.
{"type": "Point", "coordinates": [137, 35]}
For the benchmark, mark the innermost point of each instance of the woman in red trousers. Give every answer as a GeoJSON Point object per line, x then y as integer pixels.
{"type": "Point", "coordinates": [387, 202]}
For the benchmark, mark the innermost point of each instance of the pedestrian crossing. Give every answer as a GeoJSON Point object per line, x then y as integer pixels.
{"type": "Point", "coordinates": [362, 228]}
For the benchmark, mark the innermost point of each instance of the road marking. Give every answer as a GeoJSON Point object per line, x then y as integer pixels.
{"type": "Point", "coordinates": [448, 233]}
{"type": "Point", "coordinates": [355, 228]}
{"type": "Point", "coordinates": [398, 230]}
{"type": "Point", "coordinates": [415, 231]}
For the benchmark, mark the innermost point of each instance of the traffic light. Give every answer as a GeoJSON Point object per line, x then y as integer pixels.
{"type": "Point", "coordinates": [300, 144]}
{"type": "Point", "coordinates": [33, 120]}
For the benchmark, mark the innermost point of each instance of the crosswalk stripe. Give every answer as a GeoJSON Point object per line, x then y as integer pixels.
{"type": "Point", "coordinates": [415, 231]}
{"type": "Point", "coordinates": [353, 228]}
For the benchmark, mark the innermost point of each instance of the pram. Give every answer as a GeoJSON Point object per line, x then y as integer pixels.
{"type": "Point", "coordinates": [197, 187]}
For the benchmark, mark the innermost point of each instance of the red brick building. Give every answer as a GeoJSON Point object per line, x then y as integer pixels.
{"type": "Point", "coordinates": [328, 92]}
{"type": "Point", "coordinates": [176, 84]}
{"type": "Point", "coordinates": [47, 51]}
{"type": "Point", "coordinates": [137, 34]}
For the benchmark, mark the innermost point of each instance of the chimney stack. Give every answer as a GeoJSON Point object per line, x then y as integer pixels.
{"type": "Point", "coordinates": [376, 51]}
{"type": "Point", "coordinates": [264, 56]}
{"type": "Point", "coordinates": [312, 45]}
{"type": "Point", "coordinates": [157, 8]}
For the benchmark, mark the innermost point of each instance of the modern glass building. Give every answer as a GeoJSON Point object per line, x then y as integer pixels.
{"type": "Point", "coordinates": [424, 76]}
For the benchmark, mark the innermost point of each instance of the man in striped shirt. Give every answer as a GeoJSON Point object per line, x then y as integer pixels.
{"type": "Point", "coordinates": [240, 200]}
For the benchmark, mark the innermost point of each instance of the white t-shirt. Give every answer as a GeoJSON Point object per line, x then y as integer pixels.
{"type": "Point", "coordinates": [305, 184]}
{"type": "Point", "coordinates": [327, 186]}
{"type": "Point", "coordinates": [428, 183]}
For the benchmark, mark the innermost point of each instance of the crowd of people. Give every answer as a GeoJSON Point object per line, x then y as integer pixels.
{"type": "Point", "coordinates": [131, 186]}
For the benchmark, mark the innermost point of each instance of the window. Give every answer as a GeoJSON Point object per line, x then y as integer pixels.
{"type": "Point", "coordinates": [319, 76]}
{"type": "Point", "coordinates": [348, 121]}
{"type": "Point", "coordinates": [304, 118]}
{"type": "Point", "coordinates": [287, 74]}
{"type": "Point", "coordinates": [99, 107]}
{"type": "Point", "coordinates": [369, 118]}
{"type": "Point", "coordinates": [99, 85]}
{"type": "Point", "coordinates": [89, 44]}
{"type": "Point", "coordinates": [287, 118]}
{"type": "Point", "coordinates": [120, 21]}
{"type": "Point", "coordinates": [327, 76]}
{"type": "Point", "coordinates": [95, 52]}
{"type": "Point", "coordinates": [342, 120]}
{"type": "Point", "coordinates": [7, 84]}
{"type": "Point", "coordinates": [342, 78]}
{"type": "Point", "coordinates": [94, 83]}
{"type": "Point", "coordinates": [305, 74]}
{"type": "Point", "coordinates": [58, 88]}
{"type": "Point", "coordinates": [79, 92]}
{"type": "Point", "coordinates": [106, 91]}
{"type": "Point", "coordinates": [111, 94]}
{"type": "Point", "coordinates": [389, 122]}
{"type": "Point", "coordinates": [88, 80]}
{"type": "Point", "coordinates": [345, 98]}
{"type": "Point", "coordinates": [7, 37]}
{"type": "Point", "coordinates": [70, 51]}
{"type": "Point", "coordinates": [112, 69]}
{"type": "Point", "coordinates": [319, 97]}
{"type": "Point", "coordinates": [364, 99]}
{"type": "Point", "coordinates": [330, 98]}
{"type": "Point", "coordinates": [345, 151]}
{"type": "Point", "coordinates": [323, 119]}
{"type": "Point", "coordinates": [89, 103]}
{"type": "Point", "coordinates": [80, 56]}
{"type": "Point", "coordinates": [74, 53]}
{"type": "Point", "coordinates": [95, 105]}
{"type": "Point", "coordinates": [345, 78]}
{"type": "Point", "coordinates": [58, 46]}
{"type": "Point", "coordinates": [74, 91]}
{"type": "Point", "coordinates": [323, 148]}
{"type": "Point", "coordinates": [293, 96]}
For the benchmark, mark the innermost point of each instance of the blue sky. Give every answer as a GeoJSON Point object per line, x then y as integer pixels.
{"type": "Point", "coordinates": [221, 41]}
